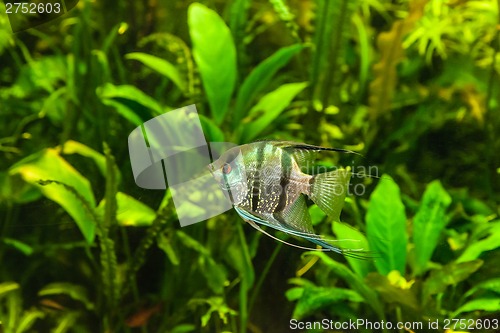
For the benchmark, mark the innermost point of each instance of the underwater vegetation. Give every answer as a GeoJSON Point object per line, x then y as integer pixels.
{"type": "Point", "coordinates": [411, 86]}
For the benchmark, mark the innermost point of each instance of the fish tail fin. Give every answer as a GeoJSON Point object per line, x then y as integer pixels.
{"type": "Point", "coordinates": [328, 190]}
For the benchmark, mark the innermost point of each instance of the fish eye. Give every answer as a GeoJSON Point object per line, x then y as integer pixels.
{"type": "Point", "coordinates": [226, 168]}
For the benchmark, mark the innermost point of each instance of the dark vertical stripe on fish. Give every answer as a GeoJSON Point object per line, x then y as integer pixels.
{"type": "Point", "coordinates": [256, 179]}
{"type": "Point", "coordinates": [286, 168]}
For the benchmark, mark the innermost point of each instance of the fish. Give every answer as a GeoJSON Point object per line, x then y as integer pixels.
{"type": "Point", "coordinates": [266, 185]}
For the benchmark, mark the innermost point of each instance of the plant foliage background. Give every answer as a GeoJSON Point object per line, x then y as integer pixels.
{"type": "Point", "coordinates": [411, 85]}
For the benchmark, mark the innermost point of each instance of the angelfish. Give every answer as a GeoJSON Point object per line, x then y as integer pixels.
{"type": "Point", "coordinates": [265, 183]}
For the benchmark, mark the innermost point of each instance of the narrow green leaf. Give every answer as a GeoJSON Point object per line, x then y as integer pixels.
{"type": "Point", "coordinates": [315, 299]}
{"type": "Point", "coordinates": [27, 320]}
{"type": "Point", "coordinates": [214, 273]}
{"type": "Point", "coordinates": [76, 292]}
{"type": "Point", "coordinates": [386, 227]}
{"type": "Point", "coordinates": [18, 245]}
{"type": "Point", "coordinates": [428, 224]}
{"type": "Point", "coordinates": [165, 243]}
{"type": "Point", "coordinates": [491, 285]}
{"type": "Point", "coordinates": [215, 55]}
{"type": "Point", "coordinates": [7, 287]}
{"type": "Point", "coordinates": [355, 282]}
{"type": "Point", "coordinates": [260, 77]}
{"type": "Point", "coordinates": [450, 274]}
{"type": "Point", "coordinates": [161, 66]}
{"type": "Point", "coordinates": [49, 165]}
{"type": "Point", "coordinates": [269, 108]}
{"type": "Point", "coordinates": [487, 242]}
{"type": "Point", "coordinates": [481, 304]}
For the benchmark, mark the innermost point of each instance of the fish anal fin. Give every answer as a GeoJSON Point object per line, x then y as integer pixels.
{"type": "Point", "coordinates": [296, 216]}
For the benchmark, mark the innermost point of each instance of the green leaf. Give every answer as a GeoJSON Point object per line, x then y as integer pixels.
{"type": "Point", "coordinates": [488, 240]}
{"type": "Point", "coordinates": [7, 287]}
{"type": "Point", "coordinates": [269, 108]}
{"type": "Point", "coordinates": [162, 66]}
{"type": "Point", "coordinates": [49, 165]}
{"type": "Point", "coordinates": [491, 285]}
{"type": "Point", "coordinates": [214, 273]}
{"type": "Point", "coordinates": [130, 102]}
{"type": "Point", "coordinates": [315, 299]}
{"type": "Point", "coordinates": [428, 224]}
{"type": "Point", "coordinates": [132, 212]}
{"type": "Point", "coordinates": [351, 238]}
{"type": "Point", "coordinates": [386, 227]}
{"type": "Point", "coordinates": [390, 292]}
{"type": "Point", "coordinates": [74, 147]}
{"type": "Point", "coordinates": [450, 274]}
{"type": "Point", "coordinates": [215, 55]}
{"type": "Point", "coordinates": [20, 246]}
{"type": "Point", "coordinates": [355, 282]}
{"type": "Point", "coordinates": [260, 77]}
{"type": "Point", "coordinates": [211, 130]}
{"type": "Point", "coordinates": [165, 243]}
{"type": "Point", "coordinates": [76, 292]}
{"type": "Point", "coordinates": [183, 328]}
{"type": "Point", "coordinates": [481, 304]}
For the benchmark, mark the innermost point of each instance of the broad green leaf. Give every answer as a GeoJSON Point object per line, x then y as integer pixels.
{"type": "Point", "coordinates": [260, 77]}
{"type": "Point", "coordinates": [212, 132]}
{"type": "Point", "coordinates": [162, 66]}
{"type": "Point", "coordinates": [49, 165]}
{"type": "Point", "coordinates": [130, 102]}
{"type": "Point", "coordinates": [215, 55]}
{"type": "Point", "coordinates": [76, 292]}
{"type": "Point", "coordinates": [487, 242]}
{"type": "Point", "coordinates": [481, 304]}
{"type": "Point", "coordinates": [269, 107]}
{"type": "Point", "coordinates": [14, 189]}
{"type": "Point", "coordinates": [317, 215]}
{"type": "Point", "coordinates": [391, 293]}
{"type": "Point", "coordinates": [355, 282]}
{"type": "Point", "coordinates": [74, 147]}
{"type": "Point", "coordinates": [351, 238]}
{"type": "Point", "coordinates": [132, 212]}
{"type": "Point", "coordinates": [450, 274]}
{"type": "Point", "coordinates": [428, 223]}
{"type": "Point", "coordinates": [386, 227]}
{"type": "Point", "coordinates": [124, 111]}
{"type": "Point", "coordinates": [315, 299]}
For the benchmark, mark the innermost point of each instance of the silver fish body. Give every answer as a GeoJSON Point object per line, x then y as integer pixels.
{"type": "Point", "coordinates": [266, 185]}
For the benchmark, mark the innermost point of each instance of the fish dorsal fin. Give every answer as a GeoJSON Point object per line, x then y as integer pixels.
{"type": "Point", "coordinates": [328, 191]}
{"type": "Point", "coordinates": [305, 154]}
{"type": "Point", "coordinates": [296, 216]}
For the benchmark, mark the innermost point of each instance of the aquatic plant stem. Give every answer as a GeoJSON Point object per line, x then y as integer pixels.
{"type": "Point", "coordinates": [262, 277]}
